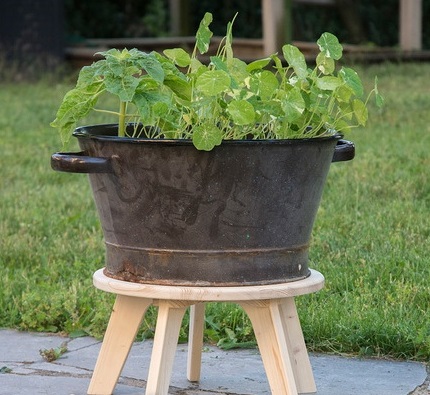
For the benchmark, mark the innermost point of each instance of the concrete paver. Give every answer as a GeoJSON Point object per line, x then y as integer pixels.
{"type": "Point", "coordinates": [223, 372]}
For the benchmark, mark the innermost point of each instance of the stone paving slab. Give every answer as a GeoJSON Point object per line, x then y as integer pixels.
{"type": "Point", "coordinates": [223, 372]}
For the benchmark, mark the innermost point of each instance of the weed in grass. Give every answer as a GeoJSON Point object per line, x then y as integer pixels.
{"type": "Point", "coordinates": [370, 239]}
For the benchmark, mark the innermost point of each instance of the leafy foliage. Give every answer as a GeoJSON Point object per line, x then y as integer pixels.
{"type": "Point", "coordinates": [227, 99]}
{"type": "Point", "coordinates": [370, 239]}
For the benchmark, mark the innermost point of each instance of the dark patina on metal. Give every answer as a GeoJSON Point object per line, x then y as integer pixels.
{"type": "Point", "coordinates": [240, 214]}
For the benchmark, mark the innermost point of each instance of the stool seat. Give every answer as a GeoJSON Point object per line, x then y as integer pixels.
{"type": "Point", "coordinates": [312, 283]}
{"type": "Point", "coordinates": [271, 309]}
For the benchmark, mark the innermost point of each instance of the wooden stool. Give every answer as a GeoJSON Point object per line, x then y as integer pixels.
{"type": "Point", "coordinates": [271, 309]}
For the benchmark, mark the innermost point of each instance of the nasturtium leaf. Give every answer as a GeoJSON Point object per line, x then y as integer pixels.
{"type": "Point", "coordinates": [344, 93]}
{"type": "Point", "coordinates": [237, 70]}
{"type": "Point", "coordinates": [264, 84]}
{"type": "Point", "coordinates": [328, 83]}
{"type": "Point", "coordinates": [179, 86]}
{"type": "Point", "coordinates": [278, 63]}
{"type": "Point", "coordinates": [351, 78]}
{"type": "Point", "coordinates": [378, 97]}
{"type": "Point", "coordinates": [342, 126]}
{"type": "Point", "coordinates": [203, 35]}
{"type": "Point", "coordinates": [229, 42]}
{"type": "Point", "coordinates": [379, 100]}
{"type": "Point", "coordinates": [196, 65]}
{"type": "Point", "coordinates": [360, 111]}
{"type": "Point", "coordinates": [271, 108]}
{"type": "Point", "coordinates": [206, 137]}
{"type": "Point", "coordinates": [212, 82]}
{"type": "Point", "coordinates": [258, 64]}
{"type": "Point", "coordinates": [330, 46]}
{"type": "Point", "coordinates": [296, 60]}
{"type": "Point", "coordinates": [325, 65]}
{"type": "Point", "coordinates": [346, 109]}
{"type": "Point", "coordinates": [219, 63]}
{"type": "Point", "coordinates": [242, 112]}
{"type": "Point", "coordinates": [317, 100]}
{"type": "Point", "coordinates": [293, 105]}
{"type": "Point", "coordinates": [179, 56]}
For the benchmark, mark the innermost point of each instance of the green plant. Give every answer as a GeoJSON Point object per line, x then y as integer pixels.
{"type": "Point", "coordinates": [227, 99]}
{"type": "Point", "coordinates": [52, 354]}
{"type": "Point", "coordinates": [371, 243]}
{"type": "Point", "coordinates": [5, 369]}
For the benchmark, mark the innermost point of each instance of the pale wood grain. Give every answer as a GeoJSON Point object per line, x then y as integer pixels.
{"type": "Point", "coordinates": [165, 342]}
{"type": "Point", "coordinates": [297, 347]}
{"type": "Point", "coordinates": [313, 283]}
{"type": "Point", "coordinates": [271, 309]}
{"type": "Point", "coordinates": [195, 341]}
{"type": "Point", "coordinates": [123, 325]}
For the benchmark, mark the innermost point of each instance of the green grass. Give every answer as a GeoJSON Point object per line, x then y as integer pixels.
{"type": "Point", "coordinates": [371, 237]}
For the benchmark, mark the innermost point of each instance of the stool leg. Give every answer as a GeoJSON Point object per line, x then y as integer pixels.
{"type": "Point", "coordinates": [195, 341]}
{"type": "Point", "coordinates": [123, 325]}
{"type": "Point", "coordinates": [297, 348]}
{"type": "Point", "coordinates": [169, 320]}
{"type": "Point", "coordinates": [266, 319]}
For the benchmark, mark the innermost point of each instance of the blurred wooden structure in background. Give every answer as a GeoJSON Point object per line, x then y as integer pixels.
{"type": "Point", "coordinates": [277, 26]}
{"type": "Point", "coordinates": [277, 21]}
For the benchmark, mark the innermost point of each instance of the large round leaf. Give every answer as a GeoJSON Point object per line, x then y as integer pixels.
{"type": "Point", "coordinates": [179, 56]}
{"type": "Point", "coordinates": [264, 84]}
{"type": "Point", "coordinates": [352, 79]}
{"type": "Point", "coordinates": [242, 112]}
{"type": "Point", "coordinates": [293, 105]}
{"type": "Point", "coordinates": [206, 137]}
{"type": "Point", "coordinates": [360, 112]}
{"type": "Point", "coordinates": [296, 60]}
{"type": "Point", "coordinates": [213, 82]}
{"type": "Point", "coordinates": [330, 46]}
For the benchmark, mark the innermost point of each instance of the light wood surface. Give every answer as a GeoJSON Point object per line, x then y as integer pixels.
{"type": "Point", "coordinates": [123, 325]}
{"type": "Point", "coordinates": [296, 346]}
{"type": "Point", "coordinates": [169, 321]}
{"type": "Point", "coordinates": [313, 283]}
{"type": "Point", "coordinates": [271, 309]}
{"type": "Point", "coordinates": [195, 341]}
{"type": "Point", "coordinates": [410, 20]}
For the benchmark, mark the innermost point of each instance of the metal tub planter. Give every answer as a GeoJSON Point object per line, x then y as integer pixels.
{"type": "Point", "coordinates": [240, 214]}
{"type": "Point", "coordinates": [221, 185]}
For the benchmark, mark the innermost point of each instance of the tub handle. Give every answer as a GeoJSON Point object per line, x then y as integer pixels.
{"type": "Point", "coordinates": [345, 150]}
{"type": "Point", "coordinates": [79, 162]}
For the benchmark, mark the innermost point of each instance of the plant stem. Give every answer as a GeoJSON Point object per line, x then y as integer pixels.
{"type": "Point", "coordinates": [106, 111]}
{"type": "Point", "coordinates": [121, 118]}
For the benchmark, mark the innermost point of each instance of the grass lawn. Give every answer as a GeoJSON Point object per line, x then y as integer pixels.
{"type": "Point", "coordinates": [371, 238]}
